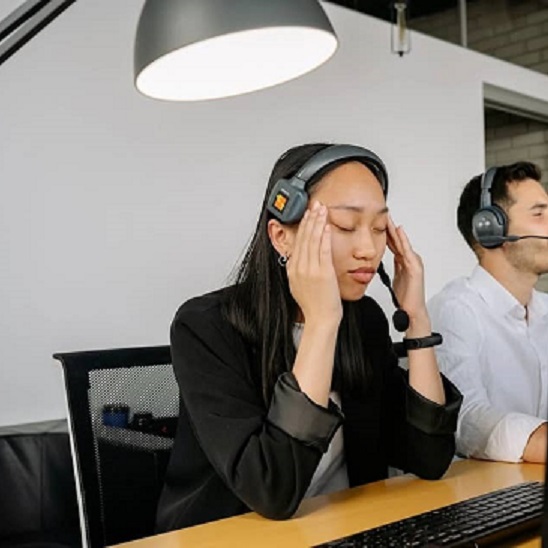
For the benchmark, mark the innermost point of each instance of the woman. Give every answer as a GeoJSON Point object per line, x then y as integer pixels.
{"type": "Point", "coordinates": [289, 384]}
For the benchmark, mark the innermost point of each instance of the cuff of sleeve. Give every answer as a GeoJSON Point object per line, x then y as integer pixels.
{"type": "Point", "coordinates": [293, 412]}
{"type": "Point", "coordinates": [431, 417]}
{"type": "Point", "coordinates": [508, 439]}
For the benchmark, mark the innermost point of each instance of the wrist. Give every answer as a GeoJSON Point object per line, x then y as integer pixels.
{"type": "Point", "coordinates": [419, 326]}
{"type": "Point", "coordinates": [322, 325]}
{"type": "Point", "coordinates": [433, 339]}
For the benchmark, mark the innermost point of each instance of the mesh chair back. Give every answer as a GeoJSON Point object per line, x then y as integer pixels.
{"type": "Point", "coordinates": [123, 406]}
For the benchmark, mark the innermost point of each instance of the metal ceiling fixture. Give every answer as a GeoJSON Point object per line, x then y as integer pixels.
{"type": "Point", "coordinates": [400, 33]}
{"type": "Point", "coordinates": [190, 50]}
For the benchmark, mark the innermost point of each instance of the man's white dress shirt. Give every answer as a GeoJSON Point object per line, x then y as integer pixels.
{"type": "Point", "coordinates": [496, 352]}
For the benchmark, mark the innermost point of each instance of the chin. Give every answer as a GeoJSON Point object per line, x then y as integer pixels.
{"type": "Point", "coordinates": [354, 294]}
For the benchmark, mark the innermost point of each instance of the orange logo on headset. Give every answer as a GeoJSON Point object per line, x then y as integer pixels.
{"type": "Point", "coordinates": [280, 202]}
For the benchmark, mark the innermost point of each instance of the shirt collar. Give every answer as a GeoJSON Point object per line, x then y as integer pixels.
{"type": "Point", "coordinates": [497, 297]}
{"type": "Point", "coordinates": [537, 306]}
{"type": "Point", "coordinates": [502, 301]}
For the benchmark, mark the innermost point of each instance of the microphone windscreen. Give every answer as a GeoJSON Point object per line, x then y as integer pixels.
{"type": "Point", "coordinates": [400, 319]}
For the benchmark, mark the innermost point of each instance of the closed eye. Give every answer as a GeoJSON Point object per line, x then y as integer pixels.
{"type": "Point", "coordinates": [380, 230]}
{"type": "Point", "coordinates": [345, 228]}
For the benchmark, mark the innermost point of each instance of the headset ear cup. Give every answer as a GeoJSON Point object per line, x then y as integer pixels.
{"type": "Point", "coordinates": [287, 202]}
{"type": "Point", "coordinates": [489, 226]}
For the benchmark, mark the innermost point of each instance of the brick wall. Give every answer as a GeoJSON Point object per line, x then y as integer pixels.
{"type": "Point", "coordinates": [512, 30]}
{"type": "Point", "coordinates": [510, 138]}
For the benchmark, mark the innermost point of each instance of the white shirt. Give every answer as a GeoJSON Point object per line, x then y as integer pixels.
{"type": "Point", "coordinates": [498, 358]}
{"type": "Point", "coordinates": [331, 474]}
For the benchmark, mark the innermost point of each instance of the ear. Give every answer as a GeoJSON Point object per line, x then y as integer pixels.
{"type": "Point", "coordinates": [282, 237]}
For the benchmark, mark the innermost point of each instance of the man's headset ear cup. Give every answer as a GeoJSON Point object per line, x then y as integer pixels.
{"type": "Point", "coordinates": [489, 226]}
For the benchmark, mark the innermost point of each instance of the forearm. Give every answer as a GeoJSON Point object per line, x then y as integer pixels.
{"type": "Point", "coordinates": [313, 367]}
{"type": "Point", "coordinates": [422, 437]}
{"type": "Point", "coordinates": [488, 433]}
{"type": "Point", "coordinates": [424, 375]}
{"type": "Point", "coordinates": [535, 450]}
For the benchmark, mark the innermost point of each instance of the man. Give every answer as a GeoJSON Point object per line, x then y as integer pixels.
{"type": "Point", "coordinates": [494, 323]}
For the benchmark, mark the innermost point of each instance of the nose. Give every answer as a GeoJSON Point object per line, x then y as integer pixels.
{"type": "Point", "coordinates": [364, 245]}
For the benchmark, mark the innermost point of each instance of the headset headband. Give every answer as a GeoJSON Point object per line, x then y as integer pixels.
{"type": "Point", "coordinates": [333, 153]}
{"type": "Point", "coordinates": [487, 180]}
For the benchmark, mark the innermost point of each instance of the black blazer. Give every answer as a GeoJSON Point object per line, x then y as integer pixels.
{"type": "Point", "coordinates": [233, 454]}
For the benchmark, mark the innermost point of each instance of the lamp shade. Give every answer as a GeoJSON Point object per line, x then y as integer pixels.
{"type": "Point", "coordinates": [191, 50]}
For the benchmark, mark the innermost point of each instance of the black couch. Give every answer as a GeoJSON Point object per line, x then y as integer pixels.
{"type": "Point", "coordinates": [38, 504]}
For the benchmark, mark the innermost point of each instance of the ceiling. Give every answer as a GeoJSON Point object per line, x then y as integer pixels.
{"type": "Point", "coordinates": [377, 8]}
{"type": "Point", "coordinates": [382, 8]}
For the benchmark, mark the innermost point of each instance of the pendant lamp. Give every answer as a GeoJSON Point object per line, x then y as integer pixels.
{"type": "Point", "coordinates": [192, 50]}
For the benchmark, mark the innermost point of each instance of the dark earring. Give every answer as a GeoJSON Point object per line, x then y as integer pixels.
{"type": "Point", "coordinates": [282, 260]}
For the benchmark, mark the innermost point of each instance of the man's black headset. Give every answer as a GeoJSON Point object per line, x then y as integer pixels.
{"type": "Point", "coordinates": [490, 222]}
{"type": "Point", "coordinates": [288, 199]}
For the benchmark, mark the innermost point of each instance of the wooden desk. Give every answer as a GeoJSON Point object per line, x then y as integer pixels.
{"type": "Point", "coordinates": [328, 517]}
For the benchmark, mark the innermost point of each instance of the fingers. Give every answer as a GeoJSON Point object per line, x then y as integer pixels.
{"type": "Point", "coordinates": [393, 240]}
{"type": "Point", "coordinates": [405, 258]}
{"type": "Point", "coordinates": [308, 241]}
{"type": "Point", "coordinates": [318, 221]}
{"type": "Point", "coordinates": [413, 261]}
{"type": "Point", "coordinates": [398, 241]}
{"type": "Point", "coordinates": [300, 248]}
{"type": "Point", "coordinates": [296, 251]}
{"type": "Point", "coordinates": [300, 251]}
{"type": "Point", "coordinates": [404, 241]}
{"type": "Point", "coordinates": [325, 246]}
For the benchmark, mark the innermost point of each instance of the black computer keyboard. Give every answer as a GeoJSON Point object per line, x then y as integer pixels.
{"type": "Point", "coordinates": [479, 521]}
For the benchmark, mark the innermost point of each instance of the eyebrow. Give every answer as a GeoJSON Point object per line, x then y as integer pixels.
{"type": "Point", "coordinates": [539, 205]}
{"type": "Point", "coordinates": [358, 209]}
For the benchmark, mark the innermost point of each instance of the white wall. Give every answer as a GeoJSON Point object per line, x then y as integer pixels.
{"type": "Point", "coordinates": [115, 208]}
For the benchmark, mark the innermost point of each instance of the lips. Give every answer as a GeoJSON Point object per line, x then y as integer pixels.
{"type": "Point", "coordinates": [362, 275]}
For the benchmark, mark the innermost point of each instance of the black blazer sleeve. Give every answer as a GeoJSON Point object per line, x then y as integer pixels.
{"type": "Point", "coordinates": [421, 433]}
{"type": "Point", "coordinates": [266, 456]}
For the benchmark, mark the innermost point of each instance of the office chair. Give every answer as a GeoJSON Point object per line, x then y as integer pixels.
{"type": "Point", "coordinates": [120, 451]}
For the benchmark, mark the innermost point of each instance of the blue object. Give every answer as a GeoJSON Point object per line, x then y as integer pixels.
{"type": "Point", "coordinates": [116, 415]}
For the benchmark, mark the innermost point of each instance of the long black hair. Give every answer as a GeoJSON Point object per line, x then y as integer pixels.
{"type": "Point", "coordinates": [261, 308]}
